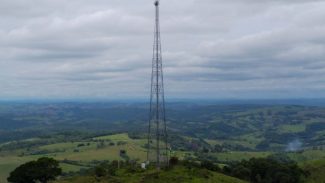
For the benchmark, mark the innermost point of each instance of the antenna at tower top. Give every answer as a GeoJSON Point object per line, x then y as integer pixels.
{"type": "Point", "coordinates": [156, 2]}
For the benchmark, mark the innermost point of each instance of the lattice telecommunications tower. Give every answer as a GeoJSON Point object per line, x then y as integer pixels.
{"type": "Point", "coordinates": [157, 151]}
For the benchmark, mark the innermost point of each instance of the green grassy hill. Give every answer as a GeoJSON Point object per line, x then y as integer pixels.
{"type": "Point", "coordinates": [178, 174]}
{"type": "Point", "coordinates": [84, 154]}
{"type": "Point", "coordinates": [316, 169]}
{"type": "Point", "coordinates": [77, 155]}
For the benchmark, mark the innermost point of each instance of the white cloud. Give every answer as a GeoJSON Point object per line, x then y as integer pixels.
{"type": "Point", "coordinates": [212, 48]}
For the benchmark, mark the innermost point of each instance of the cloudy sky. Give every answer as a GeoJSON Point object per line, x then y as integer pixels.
{"type": "Point", "coordinates": [211, 48]}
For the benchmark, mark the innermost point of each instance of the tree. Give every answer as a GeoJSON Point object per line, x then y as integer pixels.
{"type": "Point", "coordinates": [100, 171]}
{"type": "Point", "coordinates": [273, 169]}
{"type": "Point", "coordinates": [42, 170]}
{"type": "Point", "coordinates": [209, 165]}
{"type": "Point", "coordinates": [23, 174]}
{"type": "Point", "coordinates": [241, 172]}
{"type": "Point", "coordinates": [173, 161]}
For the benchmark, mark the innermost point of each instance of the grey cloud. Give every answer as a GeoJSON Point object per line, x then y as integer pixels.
{"type": "Point", "coordinates": [214, 48]}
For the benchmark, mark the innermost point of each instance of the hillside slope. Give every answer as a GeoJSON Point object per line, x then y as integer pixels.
{"type": "Point", "coordinates": [317, 171]}
{"type": "Point", "coordinates": [179, 174]}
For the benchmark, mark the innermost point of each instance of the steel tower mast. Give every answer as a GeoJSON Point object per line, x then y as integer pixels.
{"type": "Point", "coordinates": [157, 151]}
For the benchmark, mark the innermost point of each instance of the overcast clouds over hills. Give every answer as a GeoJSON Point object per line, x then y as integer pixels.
{"type": "Point", "coordinates": [212, 48]}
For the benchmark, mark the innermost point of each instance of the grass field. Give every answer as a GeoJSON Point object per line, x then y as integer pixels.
{"type": "Point", "coordinates": [238, 156]}
{"type": "Point", "coordinates": [9, 163]}
{"type": "Point", "coordinates": [316, 168]}
{"type": "Point", "coordinates": [89, 150]}
{"type": "Point", "coordinates": [71, 151]}
{"type": "Point", "coordinates": [292, 128]}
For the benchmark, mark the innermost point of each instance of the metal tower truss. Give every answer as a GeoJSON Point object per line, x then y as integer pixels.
{"type": "Point", "coordinates": [157, 151]}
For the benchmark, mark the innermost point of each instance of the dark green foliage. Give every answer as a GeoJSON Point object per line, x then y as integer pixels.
{"type": "Point", "coordinates": [110, 168]}
{"type": "Point", "coordinates": [113, 167]}
{"type": "Point", "coordinates": [234, 147]}
{"type": "Point", "coordinates": [190, 164]}
{"type": "Point", "coordinates": [100, 171]}
{"type": "Point", "coordinates": [81, 145]}
{"type": "Point", "coordinates": [42, 170]}
{"type": "Point", "coordinates": [137, 135]}
{"type": "Point", "coordinates": [23, 174]}
{"type": "Point", "coordinates": [119, 143]}
{"type": "Point", "coordinates": [217, 148]}
{"type": "Point", "coordinates": [266, 170]}
{"type": "Point", "coordinates": [124, 154]}
{"type": "Point", "coordinates": [101, 144]}
{"type": "Point", "coordinates": [241, 172]}
{"type": "Point", "coordinates": [132, 167]}
{"type": "Point", "coordinates": [210, 165]}
{"type": "Point", "coordinates": [173, 161]}
{"type": "Point", "coordinates": [105, 169]}
{"type": "Point", "coordinates": [280, 157]}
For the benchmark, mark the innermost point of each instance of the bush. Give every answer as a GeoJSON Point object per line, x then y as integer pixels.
{"type": "Point", "coordinates": [266, 170]}
{"type": "Point", "coordinates": [80, 145]}
{"type": "Point", "coordinates": [209, 165]}
{"type": "Point", "coordinates": [105, 169]}
{"type": "Point", "coordinates": [173, 161]}
{"type": "Point", "coordinates": [100, 171]}
{"type": "Point", "coordinates": [190, 164]}
{"type": "Point", "coordinates": [241, 172]}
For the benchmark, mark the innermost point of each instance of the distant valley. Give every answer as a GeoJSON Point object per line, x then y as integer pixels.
{"type": "Point", "coordinates": [251, 127]}
{"type": "Point", "coordinates": [83, 135]}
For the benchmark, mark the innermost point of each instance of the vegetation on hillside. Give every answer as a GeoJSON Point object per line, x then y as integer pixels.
{"type": "Point", "coordinates": [267, 170]}
{"type": "Point", "coordinates": [225, 128]}
{"type": "Point", "coordinates": [82, 135]}
{"type": "Point", "coordinates": [130, 172]}
{"type": "Point", "coordinates": [81, 154]}
{"type": "Point", "coordinates": [42, 170]}
{"type": "Point", "coordinates": [273, 169]}
{"type": "Point", "coordinates": [316, 170]}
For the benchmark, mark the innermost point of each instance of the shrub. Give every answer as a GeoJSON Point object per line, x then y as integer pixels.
{"type": "Point", "coordinates": [209, 165]}
{"type": "Point", "coordinates": [173, 161]}
{"type": "Point", "coordinates": [267, 170]}
{"type": "Point", "coordinates": [100, 171]}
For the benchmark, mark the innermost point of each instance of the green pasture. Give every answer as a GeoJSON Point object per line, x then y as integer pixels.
{"type": "Point", "coordinates": [84, 152]}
